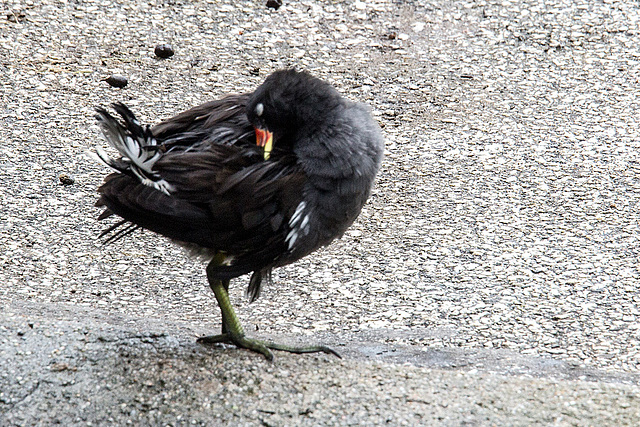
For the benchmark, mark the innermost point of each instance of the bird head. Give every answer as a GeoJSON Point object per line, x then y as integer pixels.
{"type": "Point", "coordinates": [288, 105]}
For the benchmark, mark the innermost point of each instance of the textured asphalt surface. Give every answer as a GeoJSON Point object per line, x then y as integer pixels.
{"type": "Point", "coordinates": [491, 280]}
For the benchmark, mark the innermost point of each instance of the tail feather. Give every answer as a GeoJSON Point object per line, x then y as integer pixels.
{"type": "Point", "coordinates": [136, 144]}
{"type": "Point", "coordinates": [119, 233]}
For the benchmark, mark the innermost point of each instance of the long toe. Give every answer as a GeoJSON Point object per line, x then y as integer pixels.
{"type": "Point", "coordinates": [240, 342]}
{"type": "Point", "coordinates": [215, 339]}
{"type": "Point", "coordinates": [253, 345]}
{"type": "Point", "coordinates": [300, 350]}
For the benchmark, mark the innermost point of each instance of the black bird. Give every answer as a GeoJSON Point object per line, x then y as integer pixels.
{"type": "Point", "coordinates": [250, 182]}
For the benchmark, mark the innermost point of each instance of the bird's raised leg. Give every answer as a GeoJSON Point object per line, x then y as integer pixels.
{"type": "Point", "coordinates": [232, 331]}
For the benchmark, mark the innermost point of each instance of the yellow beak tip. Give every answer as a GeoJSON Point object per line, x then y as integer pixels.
{"type": "Point", "coordinates": [264, 139]}
{"type": "Point", "coordinates": [267, 146]}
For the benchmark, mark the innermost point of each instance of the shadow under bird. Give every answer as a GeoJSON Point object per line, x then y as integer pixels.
{"type": "Point", "coordinates": [250, 182]}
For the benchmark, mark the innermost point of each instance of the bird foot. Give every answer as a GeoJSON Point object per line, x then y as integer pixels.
{"type": "Point", "coordinates": [239, 341]}
{"type": "Point", "coordinates": [263, 347]}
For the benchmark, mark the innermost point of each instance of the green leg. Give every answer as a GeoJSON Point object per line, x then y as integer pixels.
{"type": "Point", "coordinates": [232, 331]}
{"type": "Point", "coordinates": [224, 325]}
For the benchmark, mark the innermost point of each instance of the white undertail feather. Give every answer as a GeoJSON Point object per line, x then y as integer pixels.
{"type": "Point", "coordinates": [299, 223]}
{"type": "Point", "coordinates": [297, 213]}
{"type": "Point", "coordinates": [135, 152]}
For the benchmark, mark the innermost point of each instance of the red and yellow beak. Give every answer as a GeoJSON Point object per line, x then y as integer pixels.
{"type": "Point", "coordinates": [264, 139]}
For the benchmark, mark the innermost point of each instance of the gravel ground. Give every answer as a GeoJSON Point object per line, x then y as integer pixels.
{"type": "Point", "coordinates": [492, 278]}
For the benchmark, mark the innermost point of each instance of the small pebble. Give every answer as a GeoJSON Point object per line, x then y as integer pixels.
{"type": "Point", "coordinates": [66, 179]}
{"type": "Point", "coordinates": [274, 4]}
{"type": "Point", "coordinates": [164, 51]}
{"type": "Point", "coordinates": [16, 17]}
{"type": "Point", "coordinates": [117, 81]}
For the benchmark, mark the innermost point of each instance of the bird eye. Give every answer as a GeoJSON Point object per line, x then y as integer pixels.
{"type": "Point", "coordinates": [259, 109]}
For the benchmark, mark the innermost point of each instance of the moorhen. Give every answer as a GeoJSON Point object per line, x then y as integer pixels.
{"type": "Point", "coordinates": [249, 182]}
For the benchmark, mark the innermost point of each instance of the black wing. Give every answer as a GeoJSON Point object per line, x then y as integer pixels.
{"type": "Point", "coordinates": [215, 204]}
{"type": "Point", "coordinates": [217, 122]}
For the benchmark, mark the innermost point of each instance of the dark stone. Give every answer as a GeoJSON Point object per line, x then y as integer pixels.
{"type": "Point", "coordinates": [117, 81]}
{"type": "Point", "coordinates": [66, 179]}
{"type": "Point", "coordinates": [274, 4]}
{"type": "Point", "coordinates": [164, 51]}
